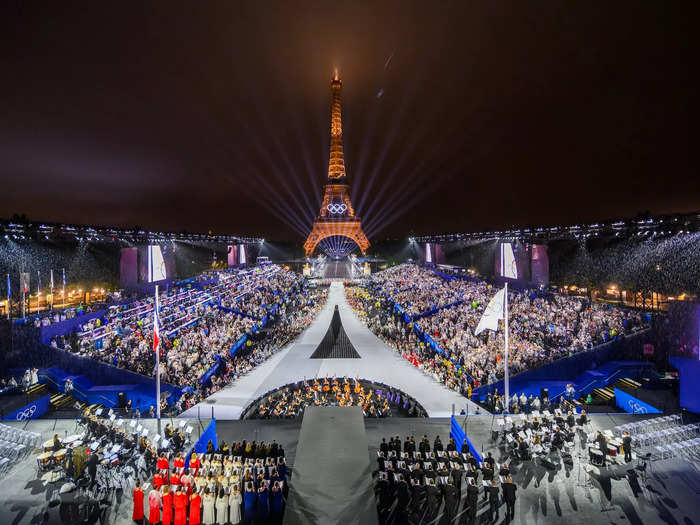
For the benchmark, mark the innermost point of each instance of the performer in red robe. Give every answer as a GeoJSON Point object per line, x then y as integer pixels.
{"type": "Point", "coordinates": [154, 501]}
{"type": "Point", "coordinates": [180, 502]}
{"type": "Point", "coordinates": [186, 480]}
{"type": "Point", "coordinates": [158, 481]}
{"type": "Point", "coordinates": [195, 508]}
{"type": "Point", "coordinates": [195, 464]}
{"type": "Point", "coordinates": [163, 463]}
{"type": "Point", "coordinates": [175, 478]}
{"type": "Point", "coordinates": [137, 515]}
{"type": "Point", "coordinates": [179, 461]}
{"type": "Point", "coordinates": [167, 506]}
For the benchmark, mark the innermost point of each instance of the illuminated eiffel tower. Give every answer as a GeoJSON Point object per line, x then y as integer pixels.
{"type": "Point", "coordinates": [337, 216]}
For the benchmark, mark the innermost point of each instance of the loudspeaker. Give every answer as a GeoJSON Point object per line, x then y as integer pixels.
{"type": "Point", "coordinates": [121, 399]}
{"type": "Point", "coordinates": [544, 394]}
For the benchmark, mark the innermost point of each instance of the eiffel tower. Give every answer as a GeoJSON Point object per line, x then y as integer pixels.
{"type": "Point", "coordinates": [337, 216]}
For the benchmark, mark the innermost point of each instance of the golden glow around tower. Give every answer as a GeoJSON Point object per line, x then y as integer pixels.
{"type": "Point", "coordinates": [337, 216]}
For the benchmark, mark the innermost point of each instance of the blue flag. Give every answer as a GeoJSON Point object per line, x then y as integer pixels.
{"type": "Point", "coordinates": [9, 287]}
{"type": "Point", "coordinates": [64, 277]}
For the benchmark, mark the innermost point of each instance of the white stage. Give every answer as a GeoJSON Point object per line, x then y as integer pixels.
{"type": "Point", "coordinates": [379, 363]}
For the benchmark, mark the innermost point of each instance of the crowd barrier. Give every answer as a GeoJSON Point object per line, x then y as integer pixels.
{"type": "Point", "coordinates": [200, 446]}
{"type": "Point", "coordinates": [568, 368]}
{"type": "Point", "coordinates": [33, 410]}
{"type": "Point", "coordinates": [457, 433]}
{"type": "Point", "coordinates": [66, 327]}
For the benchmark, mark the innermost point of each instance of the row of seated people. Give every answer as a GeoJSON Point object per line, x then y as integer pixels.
{"type": "Point", "coordinates": [541, 434]}
{"type": "Point", "coordinates": [214, 489]}
{"type": "Point", "coordinates": [420, 481]}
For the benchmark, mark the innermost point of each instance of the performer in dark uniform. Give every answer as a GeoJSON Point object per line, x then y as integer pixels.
{"type": "Point", "coordinates": [602, 444]}
{"type": "Point", "coordinates": [449, 492]}
{"type": "Point", "coordinates": [509, 489]}
{"type": "Point", "coordinates": [627, 445]}
{"type": "Point", "coordinates": [472, 502]}
{"type": "Point", "coordinates": [493, 499]}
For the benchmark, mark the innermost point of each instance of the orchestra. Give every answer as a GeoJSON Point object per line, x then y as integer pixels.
{"type": "Point", "coordinates": [290, 401]}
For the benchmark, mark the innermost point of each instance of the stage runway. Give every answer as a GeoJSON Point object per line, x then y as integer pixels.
{"type": "Point", "coordinates": [378, 363]}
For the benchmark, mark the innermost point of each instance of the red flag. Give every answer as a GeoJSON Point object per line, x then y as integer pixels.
{"type": "Point", "coordinates": [156, 338]}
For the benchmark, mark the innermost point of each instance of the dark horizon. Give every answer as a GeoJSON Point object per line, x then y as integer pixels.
{"type": "Point", "coordinates": [174, 116]}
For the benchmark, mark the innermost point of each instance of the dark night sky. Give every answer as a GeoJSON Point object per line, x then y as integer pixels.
{"type": "Point", "coordinates": [215, 115]}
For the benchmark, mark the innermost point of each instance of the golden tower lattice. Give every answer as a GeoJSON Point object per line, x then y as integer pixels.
{"type": "Point", "coordinates": [337, 216]}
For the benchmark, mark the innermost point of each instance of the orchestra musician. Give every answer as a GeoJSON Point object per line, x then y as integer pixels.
{"type": "Point", "coordinates": [602, 444]}
{"type": "Point", "coordinates": [627, 446]}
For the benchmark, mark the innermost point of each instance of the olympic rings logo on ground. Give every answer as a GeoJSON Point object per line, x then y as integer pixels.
{"type": "Point", "coordinates": [27, 413]}
{"type": "Point", "coordinates": [636, 407]}
{"type": "Point", "coordinates": [336, 209]}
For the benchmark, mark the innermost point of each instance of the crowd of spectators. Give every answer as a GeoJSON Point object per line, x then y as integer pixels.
{"type": "Point", "coordinates": [543, 327]}
{"type": "Point", "coordinates": [292, 318]}
{"type": "Point", "coordinates": [198, 327]}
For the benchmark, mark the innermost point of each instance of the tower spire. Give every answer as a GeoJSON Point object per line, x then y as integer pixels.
{"type": "Point", "coordinates": [336, 161]}
{"type": "Point", "coordinates": [336, 221]}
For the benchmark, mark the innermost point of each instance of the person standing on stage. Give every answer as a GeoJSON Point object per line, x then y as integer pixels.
{"type": "Point", "coordinates": [195, 509]}
{"type": "Point", "coordinates": [208, 503]}
{"type": "Point", "coordinates": [472, 502]}
{"type": "Point", "coordinates": [493, 499]}
{"type": "Point", "coordinates": [249, 498]}
{"type": "Point", "coordinates": [167, 505]}
{"type": "Point", "coordinates": [222, 508]}
{"type": "Point", "coordinates": [137, 514]}
{"type": "Point", "coordinates": [509, 489]}
{"type": "Point", "coordinates": [602, 444]}
{"type": "Point", "coordinates": [263, 502]}
{"type": "Point", "coordinates": [180, 504]}
{"type": "Point", "coordinates": [154, 501]}
{"type": "Point", "coordinates": [627, 446]}
{"type": "Point", "coordinates": [234, 503]}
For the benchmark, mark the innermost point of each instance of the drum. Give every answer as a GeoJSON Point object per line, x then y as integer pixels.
{"type": "Point", "coordinates": [596, 456]}
{"type": "Point", "coordinates": [60, 455]}
{"type": "Point", "coordinates": [612, 451]}
{"type": "Point", "coordinates": [45, 459]}
{"type": "Point", "coordinates": [48, 445]}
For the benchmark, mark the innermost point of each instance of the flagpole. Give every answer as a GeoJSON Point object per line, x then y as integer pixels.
{"type": "Point", "coordinates": [506, 380]}
{"type": "Point", "coordinates": [24, 289]}
{"type": "Point", "coordinates": [38, 289]}
{"type": "Point", "coordinates": [155, 314]}
{"type": "Point", "coordinates": [9, 296]}
{"type": "Point", "coordinates": [51, 289]}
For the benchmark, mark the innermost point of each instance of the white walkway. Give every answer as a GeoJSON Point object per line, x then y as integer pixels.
{"type": "Point", "coordinates": [379, 363]}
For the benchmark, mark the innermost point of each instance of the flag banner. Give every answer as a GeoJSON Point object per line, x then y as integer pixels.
{"type": "Point", "coordinates": [156, 336]}
{"type": "Point", "coordinates": [9, 287]}
{"type": "Point", "coordinates": [52, 279]}
{"type": "Point", "coordinates": [24, 278]}
{"type": "Point", "coordinates": [509, 268]}
{"type": "Point", "coordinates": [64, 277]}
{"type": "Point", "coordinates": [492, 314]}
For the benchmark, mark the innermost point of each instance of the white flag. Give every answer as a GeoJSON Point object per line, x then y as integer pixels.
{"type": "Point", "coordinates": [493, 312]}
{"type": "Point", "coordinates": [509, 267]}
